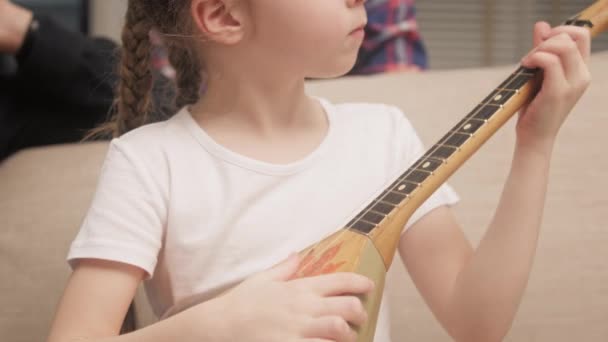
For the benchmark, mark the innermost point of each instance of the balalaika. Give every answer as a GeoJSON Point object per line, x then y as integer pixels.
{"type": "Point", "coordinates": [368, 242]}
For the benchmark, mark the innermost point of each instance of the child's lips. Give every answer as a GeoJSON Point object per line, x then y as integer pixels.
{"type": "Point", "coordinates": [359, 31]}
{"type": "Point", "coordinates": [358, 28]}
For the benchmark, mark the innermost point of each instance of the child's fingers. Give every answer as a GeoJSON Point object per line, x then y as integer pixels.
{"type": "Point", "coordinates": [554, 78]}
{"type": "Point", "coordinates": [566, 50]}
{"type": "Point", "coordinates": [348, 307]}
{"type": "Point", "coordinates": [336, 284]}
{"type": "Point", "coordinates": [580, 35]}
{"type": "Point", "coordinates": [541, 31]}
{"type": "Point", "coordinates": [283, 270]}
{"type": "Point", "coordinates": [333, 328]}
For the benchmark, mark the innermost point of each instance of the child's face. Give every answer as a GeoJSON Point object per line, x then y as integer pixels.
{"type": "Point", "coordinates": [311, 37]}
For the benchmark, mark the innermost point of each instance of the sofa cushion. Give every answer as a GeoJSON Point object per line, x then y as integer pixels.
{"type": "Point", "coordinates": [44, 195]}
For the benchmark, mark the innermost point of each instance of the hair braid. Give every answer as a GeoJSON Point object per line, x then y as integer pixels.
{"type": "Point", "coordinates": [188, 77]}
{"type": "Point", "coordinates": [134, 102]}
{"type": "Point", "coordinates": [134, 99]}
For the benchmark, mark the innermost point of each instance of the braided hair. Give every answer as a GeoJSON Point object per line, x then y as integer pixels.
{"type": "Point", "coordinates": [133, 102]}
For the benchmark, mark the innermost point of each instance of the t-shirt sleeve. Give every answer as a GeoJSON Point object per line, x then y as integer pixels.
{"type": "Point", "coordinates": [413, 149]}
{"type": "Point", "coordinates": [126, 218]}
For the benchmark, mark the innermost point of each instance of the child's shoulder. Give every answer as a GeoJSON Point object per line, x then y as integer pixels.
{"type": "Point", "coordinates": [152, 141]}
{"type": "Point", "coordinates": [155, 134]}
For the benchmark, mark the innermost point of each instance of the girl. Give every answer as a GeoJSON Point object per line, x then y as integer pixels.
{"type": "Point", "coordinates": [255, 170]}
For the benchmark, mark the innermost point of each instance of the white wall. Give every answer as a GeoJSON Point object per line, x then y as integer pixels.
{"type": "Point", "coordinates": [107, 17]}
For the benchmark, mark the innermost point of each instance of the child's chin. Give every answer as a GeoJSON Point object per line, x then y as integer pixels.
{"type": "Point", "coordinates": [336, 70]}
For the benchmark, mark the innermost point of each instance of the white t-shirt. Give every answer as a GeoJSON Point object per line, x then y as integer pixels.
{"type": "Point", "coordinates": [199, 218]}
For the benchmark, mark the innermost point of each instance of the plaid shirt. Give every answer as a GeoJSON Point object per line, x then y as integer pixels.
{"type": "Point", "coordinates": [392, 41]}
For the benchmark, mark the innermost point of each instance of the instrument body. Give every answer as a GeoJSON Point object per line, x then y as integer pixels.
{"type": "Point", "coordinates": [368, 243]}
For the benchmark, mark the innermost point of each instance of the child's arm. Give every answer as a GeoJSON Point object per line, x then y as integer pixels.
{"type": "Point", "coordinates": [266, 307]}
{"type": "Point", "coordinates": [475, 294]}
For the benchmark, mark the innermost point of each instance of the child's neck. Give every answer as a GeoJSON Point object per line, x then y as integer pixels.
{"type": "Point", "coordinates": [263, 106]}
{"type": "Point", "coordinates": [272, 122]}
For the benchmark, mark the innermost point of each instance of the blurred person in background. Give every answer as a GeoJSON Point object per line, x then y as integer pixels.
{"type": "Point", "coordinates": [392, 39]}
{"type": "Point", "coordinates": [54, 83]}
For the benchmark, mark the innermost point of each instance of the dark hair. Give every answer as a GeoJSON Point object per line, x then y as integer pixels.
{"type": "Point", "coordinates": [133, 102]}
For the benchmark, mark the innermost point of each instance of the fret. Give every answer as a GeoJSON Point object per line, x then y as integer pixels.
{"type": "Point", "coordinates": [454, 139]}
{"type": "Point", "coordinates": [372, 217]}
{"type": "Point", "coordinates": [360, 215]}
{"type": "Point", "coordinates": [504, 83]}
{"type": "Point", "coordinates": [485, 111]}
{"type": "Point", "coordinates": [439, 160]}
{"type": "Point", "coordinates": [377, 212]}
{"type": "Point", "coordinates": [572, 19]}
{"type": "Point", "coordinates": [364, 211]}
{"type": "Point", "coordinates": [576, 21]}
{"type": "Point", "coordinates": [442, 152]}
{"type": "Point", "coordinates": [382, 207]}
{"type": "Point", "coordinates": [580, 23]}
{"type": "Point", "coordinates": [428, 164]}
{"type": "Point", "coordinates": [415, 176]}
{"type": "Point", "coordinates": [519, 81]}
{"type": "Point", "coordinates": [361, 226]}
{"type": "Point", "coordinates": [379, 200]}
{"type": "Point", "coordinates": [448, 145]}
{"type": "Point", "coordinates": [512, 84]}
{"type": "Point", "coordinates": [527, 71]}
{"type": "Point", "coordinates": [369, 218]}
{"type": "Point", "coordinates": [509, 89]}
{"type": "Point", "coordinates": [404, 187]}
{"type": "Point", "coordinates": [365, 221]}
{"type": "Point", "coordinates": [469, 125]}
{"type": "Point", "coordinates": [393, 198]}
{"type": "Point", "coordinates": [499, 97]}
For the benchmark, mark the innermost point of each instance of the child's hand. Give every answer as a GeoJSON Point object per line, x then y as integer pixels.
{"type": "Point", "coordinates": [269, 307]}
{"type": "Point", "coordinates": [563, 53]}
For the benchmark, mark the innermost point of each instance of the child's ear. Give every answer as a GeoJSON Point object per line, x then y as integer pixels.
{"type": "Point", "coordinates": [218, 20]}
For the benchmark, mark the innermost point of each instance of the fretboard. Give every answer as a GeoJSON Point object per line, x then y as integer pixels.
{"type": "Point", "coordinates": [439, 154]}
{"type": "Point", "coordinates": [449, 145]}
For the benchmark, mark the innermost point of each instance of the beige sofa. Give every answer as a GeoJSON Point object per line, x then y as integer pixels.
{"type": "Point", "coordinates": [44, 193]}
